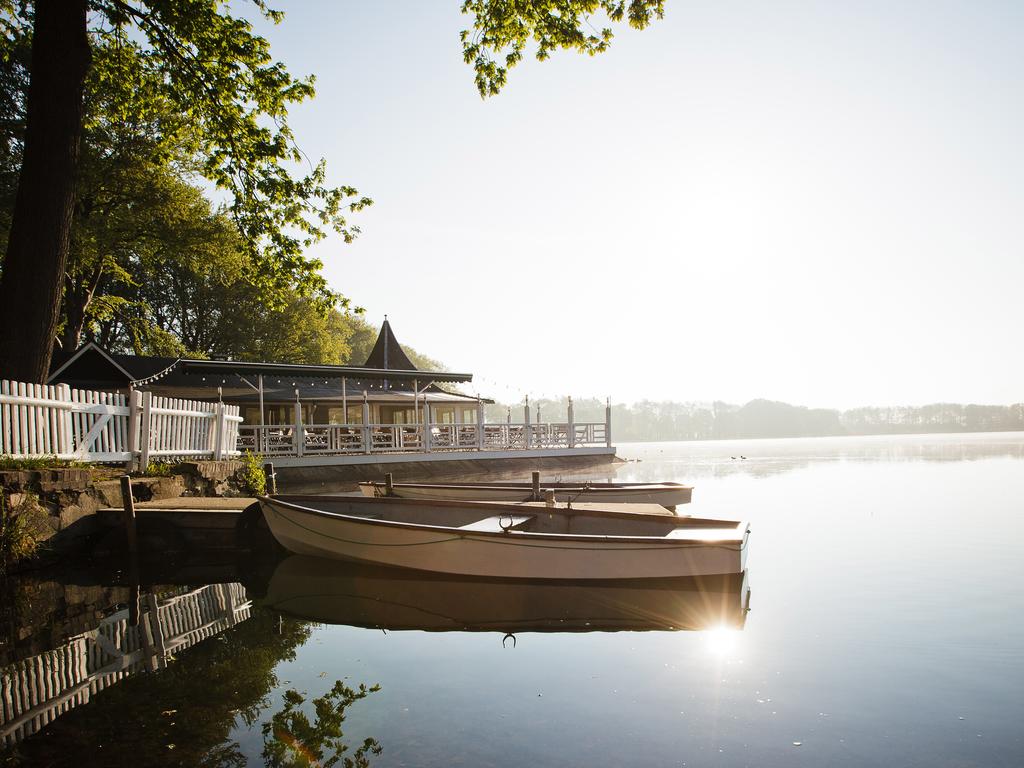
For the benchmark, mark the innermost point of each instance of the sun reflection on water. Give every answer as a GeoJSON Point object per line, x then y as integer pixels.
{"type": "Point", "coordinates": [722, 641]}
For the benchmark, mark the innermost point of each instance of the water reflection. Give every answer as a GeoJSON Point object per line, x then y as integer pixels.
{"type": "Point", "coordinates": [334, 592]}
{"type": "Point", "coordinates": [173, 690]}
{"type": "Point", "coordinates": [40, 688]}
{"type": "Point", "coordinates": [692, 461]}
{"type": "Point", "coordinates": [290, 738]}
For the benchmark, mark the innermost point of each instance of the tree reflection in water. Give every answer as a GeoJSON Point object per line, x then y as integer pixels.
{"type": "Point", "coordinates": [290, 740]}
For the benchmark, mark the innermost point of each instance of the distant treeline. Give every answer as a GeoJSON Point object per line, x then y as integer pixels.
{"type": "Point", "coordinates": [647, 420]}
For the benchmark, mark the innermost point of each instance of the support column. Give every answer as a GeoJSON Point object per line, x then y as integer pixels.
{"type": "Point", "coordinates": [427, 435]}
{"type": "Point", "coordinates": [261, 443]}
{"type": "Point", "coordinates": [367, 429]}
{"type": "Point", "coordinates": [571, 426]}
{"type": "Point", "coordinates": [298, 434]}
{"type": "Point", "coordinates": [259, 380]}
{"type": "Point", "coordinates": [608, 423]}
{"type": "Point", "coordinates": [479, 424]}
{"type": "Point", "coordinates": [526, 424]}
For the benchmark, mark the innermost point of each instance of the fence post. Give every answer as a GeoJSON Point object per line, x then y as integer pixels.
{"type": "Point", "coordinates": [218, 432]}
{"type": "Point", "coordinates": [268, 470]}
{"type": "Point", "coordinates": [64, 442]}
{"type": "Point", "coordinates": [134, 414]}
{"type": "Point", "coordinates": [608, 423]}
{"type": "Point", "coordinates": [367, 429]}
{"type": "Point", "coordinates": [571, 426]}
{"type": "Point", "coordinates": [426, 426]}
{"type": "Point", "coordinates": [526, 424]}
{"type": "Point", "coordinates": [299, 434]}
{"type": "Point", "coordinates": [144, 429]}
{"type": "Point", "coordinates": [479, 424]}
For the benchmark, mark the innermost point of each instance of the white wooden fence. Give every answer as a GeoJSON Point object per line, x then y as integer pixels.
{"type": "Point", "coordinates": [36, 691]}
{"type": "Point", "coordinates": [84, 425]}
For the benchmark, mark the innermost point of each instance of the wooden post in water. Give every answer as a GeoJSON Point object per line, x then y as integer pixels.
{"type": "Point", "coordinates": [389, 484]}
{"type": "Point", "coordinates": [268, 470]}
{"type": "Point", "coordinates": [133, 549]}
{"type": "Point", "coordinates": [129, 515]}
{"type": "Point", "coordinates": [535, 496]}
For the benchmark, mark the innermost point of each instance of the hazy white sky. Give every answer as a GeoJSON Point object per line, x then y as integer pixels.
{"type": "Point", "coordinates": [815, 202]}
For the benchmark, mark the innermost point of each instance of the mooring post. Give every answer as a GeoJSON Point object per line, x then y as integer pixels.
{"type": "Point", "coordinates": [268, 471]}
{"type": "Point", "coordinates": [133, 550]}
{"type": "Point", "coordinates": [389, 484]}
{"type": "Point", "coordinates": [129, 514]}
{"type": "Point", "coordinates": [536, 486]}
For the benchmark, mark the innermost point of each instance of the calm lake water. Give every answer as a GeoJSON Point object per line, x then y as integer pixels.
{"type": "Point", "coordinates": [885, 629]}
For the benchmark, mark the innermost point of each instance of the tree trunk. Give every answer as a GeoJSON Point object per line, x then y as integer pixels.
{"type": "Point", "coordinates": [37, 248]}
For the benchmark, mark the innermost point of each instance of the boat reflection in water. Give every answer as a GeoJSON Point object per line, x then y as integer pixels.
{"type": "Point", "coordinates": [336, 592]}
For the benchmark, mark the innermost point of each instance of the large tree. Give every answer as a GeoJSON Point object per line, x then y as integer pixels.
{"type": "Point", "coordinates": [209, 67]}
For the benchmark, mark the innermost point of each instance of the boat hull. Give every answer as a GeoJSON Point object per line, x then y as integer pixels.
{"type": "Point", "coordinates": [667, 495]}
{"type": "Point", "coordinates": [508, 554]}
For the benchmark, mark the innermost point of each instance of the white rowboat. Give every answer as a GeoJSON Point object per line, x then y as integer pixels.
{"type": "Point", "coordinates": [533, 540]}
{"type": "Point", "coordinates": [666, 494]}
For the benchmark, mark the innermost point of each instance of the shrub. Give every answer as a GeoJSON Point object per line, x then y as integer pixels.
{"type": "Point", "coordinates": [21, 529]}
{"type": "Point", "coordinates": [253, 478]}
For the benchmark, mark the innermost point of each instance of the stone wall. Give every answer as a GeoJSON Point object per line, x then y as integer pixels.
{"type": "Point", "coordinates": [70, 497]}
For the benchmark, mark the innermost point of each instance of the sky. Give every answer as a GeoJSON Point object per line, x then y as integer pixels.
{"type": "Point", "coordinates": [815, 202]}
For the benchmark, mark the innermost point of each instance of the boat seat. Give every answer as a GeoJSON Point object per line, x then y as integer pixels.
{"type": "Point", "coordinates": [494, 524]}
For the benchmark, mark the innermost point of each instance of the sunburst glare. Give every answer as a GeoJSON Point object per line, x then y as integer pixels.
{"type": "Point", "coordinates": [722, 641]}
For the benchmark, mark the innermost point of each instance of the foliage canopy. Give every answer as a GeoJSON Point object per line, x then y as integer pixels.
{"type": "Point", "coordinates": [503, 29]}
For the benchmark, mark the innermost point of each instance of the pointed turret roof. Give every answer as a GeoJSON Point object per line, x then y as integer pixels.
{"type": "Point", "coordinates": [387, 353]}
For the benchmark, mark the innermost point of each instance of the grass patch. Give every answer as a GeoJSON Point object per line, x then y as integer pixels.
{"type": "Point", "coordinates": [17, 463]}
{"type": "Point", "coordinates": [161, 468]}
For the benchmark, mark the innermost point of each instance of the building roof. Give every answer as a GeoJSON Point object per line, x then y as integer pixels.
{"type": "Point", "coordinates": [387, 353]}
{"type": "Point", "coordinates": [387, 368]}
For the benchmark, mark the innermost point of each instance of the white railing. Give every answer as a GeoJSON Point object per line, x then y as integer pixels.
{"type": "Point", "coordinates": [85, 425]}
{"type": "Point", "coordinates": [341, 439]}
{"type": "Point", "coordinates": [35, 691]}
